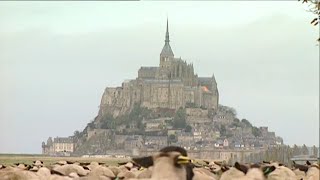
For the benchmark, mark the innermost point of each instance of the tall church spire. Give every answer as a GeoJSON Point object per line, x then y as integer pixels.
{"type": "Point", "coordinates": [167, 33]}
{"type": "Point", "coordinates": [166, 50]}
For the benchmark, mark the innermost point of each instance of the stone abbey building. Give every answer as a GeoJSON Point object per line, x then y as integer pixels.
{"type": "Point", "coordinates": [172, 84]}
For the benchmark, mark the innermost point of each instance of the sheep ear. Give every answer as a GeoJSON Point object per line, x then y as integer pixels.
{"type": "Point", "coordinates": [144, 161]}
{"type": "Point", "coordinates": [218, 163]}
{"type": "Point", "coordinates": [241, 167]}
{"type": "Point", "coordinates": [207, 162]}
{"type": "Point", "coordinates": [56, 172]}
{"type": "Point", "coordinates": [314, 165]}
{"type": "Point", "coordinates": [84, 164]}
{"type": "Point", "coordinates": [28, 167]}
{"type": "Point", "coordinates": [122, 163]}
{"type": "Point", "coordinates": [280, 164]}
{"type": "Point", "coordinates": [268, 169]}
{"type": "Point", "coordinates": [224, 168]}
{"type": "Point", "coordinates": [308, 163]}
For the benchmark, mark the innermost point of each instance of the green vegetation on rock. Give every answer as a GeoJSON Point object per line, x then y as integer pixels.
{"type": "Point", "coordinates": [179, 120]}
{"type": "Point", "coordinates": [256, 131]}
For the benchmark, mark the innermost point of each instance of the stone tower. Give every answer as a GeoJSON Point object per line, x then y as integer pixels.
{"type": "Point", "coordinates": [166, 54]}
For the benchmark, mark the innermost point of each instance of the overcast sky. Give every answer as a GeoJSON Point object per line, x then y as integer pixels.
{"type": "Point", "coordinates": [56, 59]}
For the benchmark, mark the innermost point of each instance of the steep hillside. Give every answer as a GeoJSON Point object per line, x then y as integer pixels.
{"type": "Point", "coordinates": [203, 127]}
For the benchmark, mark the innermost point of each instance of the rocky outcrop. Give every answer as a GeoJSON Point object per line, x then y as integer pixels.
{"type": "Point", "coordinates": [97, 142]}
{"type": "Point", "coordinates": [114, 101]}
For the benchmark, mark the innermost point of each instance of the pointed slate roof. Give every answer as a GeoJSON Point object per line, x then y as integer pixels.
{"type": "Point", "coordinates": [214, 79]}
{"type": "Point", "coordinates": [166, 50]}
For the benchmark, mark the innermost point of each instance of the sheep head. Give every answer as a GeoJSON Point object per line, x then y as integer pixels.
{"type": "Point", "coordinates": [175, 157]}
{"type": "Point", "coordinates": [170, 159]}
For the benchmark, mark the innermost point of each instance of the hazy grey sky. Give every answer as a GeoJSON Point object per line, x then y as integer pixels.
{"type": "Point", "coordinates": [56, 58]}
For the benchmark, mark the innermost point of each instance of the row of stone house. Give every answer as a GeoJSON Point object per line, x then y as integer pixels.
{"type": "Point", "coordinates": [130, 142]}
{"type": "Point", "coordinates": [209, 136]}
{"type": "Point", "coordinates": [192, 140]}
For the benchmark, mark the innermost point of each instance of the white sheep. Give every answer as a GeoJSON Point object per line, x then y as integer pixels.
{"type": "Point", "coordinates": [313, 173]}
{"type": "Point", "coordinates": [166, 165]}
{"type": "Point", "coordinates": [282, 173]}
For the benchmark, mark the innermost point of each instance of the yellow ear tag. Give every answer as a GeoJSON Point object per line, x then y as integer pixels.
{"type": "Point", "coordinates": [183, 160]}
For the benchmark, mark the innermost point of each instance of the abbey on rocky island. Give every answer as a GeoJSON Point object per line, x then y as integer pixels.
{"type": "Point", "coordinates": [166, 105]}
{"type": "Point", "coordinates": [171, 85]}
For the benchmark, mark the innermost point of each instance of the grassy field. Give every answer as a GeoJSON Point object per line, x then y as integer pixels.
{"type": "Point", "coordinates": [10, 159]}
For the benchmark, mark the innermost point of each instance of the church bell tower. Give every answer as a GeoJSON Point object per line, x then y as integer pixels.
{"type": "Point", "coordinates": [166, 53]}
